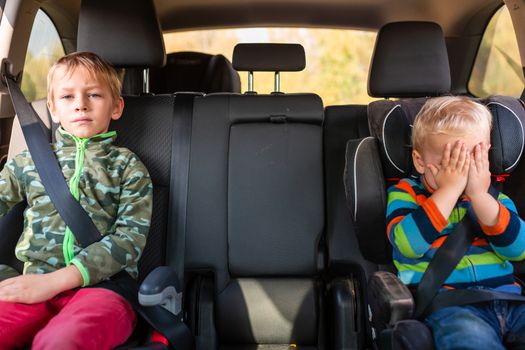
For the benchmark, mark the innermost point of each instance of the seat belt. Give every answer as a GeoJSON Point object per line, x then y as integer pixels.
{"type": "Point", "coordinates": [446, 258]}
{"type": "Point", "coordinates": [76, 218]}
{"type": "Point", "coordinates": [180, 164]}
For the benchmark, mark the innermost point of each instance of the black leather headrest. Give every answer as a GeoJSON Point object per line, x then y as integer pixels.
{"type": "Point", "coordinates": [131, 39]}
{"type": "Point", "coordinates": [390, 122]}
{"type": "Point", "coordinates": [269, 57]}
{"type": "Point", "coordinates": [195, 71]}
{"type": "Point", "coordinates": [410, 60]}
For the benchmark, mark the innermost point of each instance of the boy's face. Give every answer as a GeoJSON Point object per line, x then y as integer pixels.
{"type": "Point", "coordinates": [82, 104]}
{"type": "Point", "coordinates": [432, 151]}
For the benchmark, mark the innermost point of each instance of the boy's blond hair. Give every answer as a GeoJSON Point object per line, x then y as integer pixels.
{"type": "Point", "coordinates": [451, 115]}
{"type": "Point", "coordinates": [94, 64]}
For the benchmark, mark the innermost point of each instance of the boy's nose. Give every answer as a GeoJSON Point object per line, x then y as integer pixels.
{"type": "Point", "coordinates": [81, 104]}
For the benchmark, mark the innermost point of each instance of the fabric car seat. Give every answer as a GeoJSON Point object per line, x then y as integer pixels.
{"type": "Point", "coordinates": [194, 71]}
{"type": "Point", "coordinates": [149, 124]}
{"type": "Point", "coordinates": [375, 162]}
{"type": "Point", "coordinates": [254, 251]}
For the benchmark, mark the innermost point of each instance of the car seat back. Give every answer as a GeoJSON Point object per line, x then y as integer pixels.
{"type": "Point", "coordinates": [194, 71]}
{"type": "Point", "coordinates": [256, 212]}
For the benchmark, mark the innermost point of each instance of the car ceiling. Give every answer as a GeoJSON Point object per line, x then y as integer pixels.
{"type": "Point", "coordinates": [457, 18]}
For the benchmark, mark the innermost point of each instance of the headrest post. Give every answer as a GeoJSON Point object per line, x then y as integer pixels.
{"type": "Point", "coordinates": [250, 81]}
{"type": "Point", "coordinates": [145, 81]}
{"type": "Point", "coordinates": [277, 82]}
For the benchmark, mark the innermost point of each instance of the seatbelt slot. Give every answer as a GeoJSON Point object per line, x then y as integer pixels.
{"type": "Point", "coordinates": [278, 119]}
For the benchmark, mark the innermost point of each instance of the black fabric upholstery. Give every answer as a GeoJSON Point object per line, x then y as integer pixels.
{"type": "Point", "coordinates": [390, 122]}
{"type": "Point", "coordinates": [409, 60]}
{"type": "Point", "coordinates": [268, 311]}
{"type": "Point", "coordinates": [269, 57]}
{"type": "Point", "coordinates": [342, 123]}
{"type": "Point", "coordinates": [256, 213]}
{"type": "Point", "coordinates": [146, 127]}
{"type": "Point", "coordinates": [195, 71]}
{"type": "Point", "coordinates": [507, 135]}
{"type": "Point", "coordinates": [11, 226]}
{"type": "Point", "coordinates": [275, 194]}
{"type": "Point", "coordinates": [136, 30]}
{"type": "Point", "coordinates": [217, 168]}
{"type": "Point", "coordinates": [286, 108]}
{"type": "Point", "coordinates": [366, 197]}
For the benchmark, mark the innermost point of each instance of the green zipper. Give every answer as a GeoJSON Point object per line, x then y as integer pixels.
{"type": "Point", "coordinates": [68, 247]}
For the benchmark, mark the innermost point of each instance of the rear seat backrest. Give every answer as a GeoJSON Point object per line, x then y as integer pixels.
{"type": "Point", "coordinates": [146, 125]}
{"type": "Point", "coordinates": [256, 213]}
{"type": "Point", "coordinates": [195, 71]}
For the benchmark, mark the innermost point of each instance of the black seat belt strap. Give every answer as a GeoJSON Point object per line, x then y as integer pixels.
{"type": "Point", "coordinates": [48, 168]}
{"type": "Point", "coordinates": [444, 261]}
{"type": "Point", "coordinates": [177, 333]}
{"type": "Point", "coordinates": [180, 166]}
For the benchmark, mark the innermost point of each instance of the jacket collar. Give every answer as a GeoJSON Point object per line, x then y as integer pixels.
{"type": "Point", "coordinates": [64, 138]}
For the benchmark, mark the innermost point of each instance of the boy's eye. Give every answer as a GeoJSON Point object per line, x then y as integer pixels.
{"type": "Point", "coordinates": [94, 94]}
{"type": "Point", "coordinates": [66, 97]}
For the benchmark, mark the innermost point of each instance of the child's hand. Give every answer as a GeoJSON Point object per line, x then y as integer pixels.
{"type": "Point", "coordinates": [32, 289]}
{"type": "Point", "coordinates": [479, 173]}
{"type": "Point", "coordinates": [452, 174]}
{"type": "Point", "coordinates": [27, 289]}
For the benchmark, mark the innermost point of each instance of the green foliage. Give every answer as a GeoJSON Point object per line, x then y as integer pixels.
{"type": "Point", "coordinates": [34, 79]}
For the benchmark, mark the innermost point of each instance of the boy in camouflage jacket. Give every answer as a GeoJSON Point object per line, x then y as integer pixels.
{"type": "Point", "coordinates": [115, 189]}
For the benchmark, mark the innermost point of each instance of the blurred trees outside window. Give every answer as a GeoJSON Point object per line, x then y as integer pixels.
{"type": "Point", "coordinates": [337, 61]}
{"type": "Point", "coordinates": [43, 50]}
{"type": "Point", "coordinates": [497, 69]}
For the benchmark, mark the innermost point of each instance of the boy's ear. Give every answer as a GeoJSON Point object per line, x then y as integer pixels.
{"type": "Point", "coordinates": [51, 108]}
{"type": "Point", "coordinates": [419, 163]}
{"type": "Point", "coordinates": [117, 110]}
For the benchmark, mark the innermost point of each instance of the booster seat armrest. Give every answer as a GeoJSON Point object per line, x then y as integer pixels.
{"type": "Point", "coordinates": [390, 300]}
{"type": "Point", "coordinates": [162, 287]}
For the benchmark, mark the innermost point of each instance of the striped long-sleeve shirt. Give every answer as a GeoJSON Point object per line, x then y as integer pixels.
{"type": "Point", "coordinates": [416, 229]}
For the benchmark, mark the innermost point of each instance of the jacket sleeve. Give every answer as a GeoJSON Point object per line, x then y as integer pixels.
{"type": "Point", "coordinates": [12, 186]}
{"type": "Point", "coordinates": [507, 236]}
{"type": "Point", "coordinates": [413, 222]}
{"type": "Point", "coordinates": [123, 248]}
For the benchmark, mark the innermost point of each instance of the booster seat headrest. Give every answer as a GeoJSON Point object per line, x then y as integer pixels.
{"type": "Point", "coordinates": [391, 121]}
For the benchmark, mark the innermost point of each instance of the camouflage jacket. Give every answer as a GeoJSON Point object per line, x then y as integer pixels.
{"type": "Point", "coordinates": [110, 183]}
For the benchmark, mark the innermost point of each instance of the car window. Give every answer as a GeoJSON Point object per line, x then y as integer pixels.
{"type": "Point", "coordinates": [337, 61]}
{"type": "Point", "coordinates": [497, 69]}
{"type": "Point", "coordinates": [43, 50]}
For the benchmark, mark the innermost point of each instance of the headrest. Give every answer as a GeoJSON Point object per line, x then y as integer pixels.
{"type": "Point", "coordinates": [195, 71]}
{"type": "Point", "coordinates": [269, 57]}
{"type": "Point", "coordinates": [131, 39]}
{"type": "Point", "coordinates": [390, 122]}
{"type": "Point", "coordinates": [410, 60]}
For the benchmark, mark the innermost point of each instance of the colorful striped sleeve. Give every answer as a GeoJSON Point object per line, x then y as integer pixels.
{"type": "Point", "coordinates": [413, 221]}
{"type": "Point", "coordinates": [507, 236]}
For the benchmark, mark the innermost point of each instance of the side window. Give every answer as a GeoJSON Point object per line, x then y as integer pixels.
{"type": "Point", "coordinates": [43, 50]}
{"type": "Point", "coordinates": [497, 69]}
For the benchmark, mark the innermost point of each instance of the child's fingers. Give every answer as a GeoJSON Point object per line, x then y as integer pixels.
{"type": "Point", "coordinates": [454, 154]}
{"type": "Point", "coordinates": [485, 155]}
{"type": "Point", "coordinates": [446, 155]}
{"type": "Point", "coordinates": [465, 169]}
{"type": "Point", "coordinates": [433, 169]}
{"type": "Point", "coordinates": [463, 156]}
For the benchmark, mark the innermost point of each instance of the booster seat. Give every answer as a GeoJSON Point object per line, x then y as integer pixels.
{"type": "Point", "coordinates": [410, 63]}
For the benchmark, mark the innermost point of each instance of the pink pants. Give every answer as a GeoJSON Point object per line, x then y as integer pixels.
{"type": "Point", "coordinates": [87, 318]}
